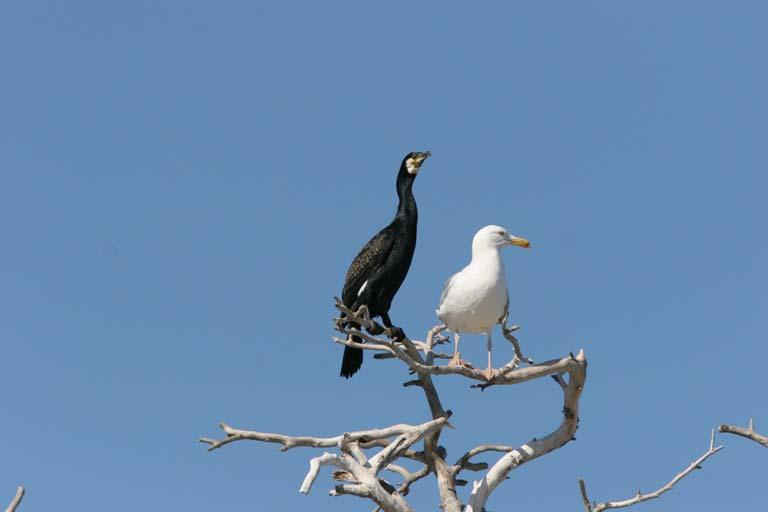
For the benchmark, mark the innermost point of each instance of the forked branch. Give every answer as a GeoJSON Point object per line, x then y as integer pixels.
{"type": "Point", "coordinates": [288, 442]}
{"type": "Point", "coordinates": [640, 497]}
{"type": "Point", "coordinates": [355, 467]}
{"type": "Point", "coordinates": [576, 368]}
{"type": "Point", "coordinates": [410, 352]}
{"type": "Point", "coordinates": [359, 473]}
{"type": "Point", "coordinates": [748, 432]}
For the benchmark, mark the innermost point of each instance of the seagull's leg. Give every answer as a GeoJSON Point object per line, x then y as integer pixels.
{"type": "Point", "coordinates": [456, 359]}
{"type": "Point", "coordinates": [489, 372]}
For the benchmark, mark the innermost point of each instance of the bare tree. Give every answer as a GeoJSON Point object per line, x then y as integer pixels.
{"type": "Point", "coordinates": [16, 500]}
{"type": "Point", "coordinates": [362, 456]}
{"type": "Point", "coordinates": [748, 432]}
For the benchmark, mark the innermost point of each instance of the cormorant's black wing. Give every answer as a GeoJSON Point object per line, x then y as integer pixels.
{"type": "Point", "coordinates": [366, 263]}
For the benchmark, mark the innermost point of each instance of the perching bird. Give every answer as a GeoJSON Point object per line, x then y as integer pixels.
{"type": "Point", "coordinates": [476, 299]}
{"type": "Point", "coordinates": [380, 267]}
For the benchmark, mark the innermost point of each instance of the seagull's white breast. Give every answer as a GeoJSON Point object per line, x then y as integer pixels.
{"type": "Point", "coordinates": [474, 299]}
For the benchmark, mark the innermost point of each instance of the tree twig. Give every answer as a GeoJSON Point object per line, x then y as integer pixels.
{"type": "Point", "coordinates": [748, 432]}
{"type": "Point", "coordinates": [16, 499]}
{"type": "Point", "coordinates": [408, 476]}
{"type": "Point", "coordinates": [584, 497]}
{"type": "Point", "coordinates": [464, 460]}
{"type": "Point", "coordinates": [640, 497]}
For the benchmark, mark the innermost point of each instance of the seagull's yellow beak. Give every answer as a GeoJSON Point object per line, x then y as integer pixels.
{"type": "Point", "coordinates": [520, 242]}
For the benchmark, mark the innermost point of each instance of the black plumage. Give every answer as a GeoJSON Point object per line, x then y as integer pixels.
{"type": "Point", "coordinates": [378, 270]}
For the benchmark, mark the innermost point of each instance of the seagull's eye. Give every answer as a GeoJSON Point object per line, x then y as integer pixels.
{"type": "Point", "coordinates": [500, 233]}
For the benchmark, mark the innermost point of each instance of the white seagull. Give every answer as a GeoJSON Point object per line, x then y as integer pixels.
{"type": "Point", "coordinates": [476, 299]}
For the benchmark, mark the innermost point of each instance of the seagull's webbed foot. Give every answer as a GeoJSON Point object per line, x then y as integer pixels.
{"type": "Point", "coordinates": [457, 361]}
{"type": "Point", "coordinates": [489, 373]}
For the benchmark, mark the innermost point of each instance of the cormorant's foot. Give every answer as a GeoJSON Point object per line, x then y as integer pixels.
{"type": "Point", "coordinates": [375, 329]}
{"type": "Point", "coordinates": [489, 373]}
{"type": "Point", "coordinates": [457, 361]}
{"type": "Point", "coordinates": [395, 333]}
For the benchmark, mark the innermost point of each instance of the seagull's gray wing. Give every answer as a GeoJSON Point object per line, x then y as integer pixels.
{"type": "Point", "coordinates": [446, 289]}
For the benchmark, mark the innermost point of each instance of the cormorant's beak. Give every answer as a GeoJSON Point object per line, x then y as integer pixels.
{"type": "Point", "coordinates": [520, 242]}
{"type": "Point", "coordinates": [414, 161]}
{"type": "Point", "coordinates": [420, 157]}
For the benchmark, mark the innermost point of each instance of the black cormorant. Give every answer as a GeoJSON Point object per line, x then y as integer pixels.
{"type": "Point", "coordinates": [380, 267]}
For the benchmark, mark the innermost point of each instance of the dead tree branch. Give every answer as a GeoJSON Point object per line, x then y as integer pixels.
{"type": "Point", "coordinates": [576, 367]}
{"type": "Point", "coordinates": [464, 463]}
{"type": "Point", "coordinates": [355, 467]}
{"type": "Point", "coordinates": [510, 373]}
{"type": "Point", "coordinates": [640, 497]}
{"type": "Point", "coordinates": [408, 476]}
{"type": "Point", "coordinates": [359, 473]}
{"type": "Point", "coordinates": [420, 357]}
{"type": "Point", "coordinates": [748, 432]}
{"type": "Point", "coordinates": [16, 500]}
{"type": "Point", "coordinates": [288, 442]}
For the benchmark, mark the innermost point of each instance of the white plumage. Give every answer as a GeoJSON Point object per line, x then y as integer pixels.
{"type": "Point", "coordinates": [476, 299]}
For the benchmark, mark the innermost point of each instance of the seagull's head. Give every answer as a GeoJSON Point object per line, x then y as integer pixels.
{"type": "Point", "coordinates": [498, 237]}
{"type": "Point", "coordinates": [412, 161]}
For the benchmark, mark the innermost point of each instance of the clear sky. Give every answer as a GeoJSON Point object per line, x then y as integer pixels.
{"type": "Point", "coordinates": [184, 183]}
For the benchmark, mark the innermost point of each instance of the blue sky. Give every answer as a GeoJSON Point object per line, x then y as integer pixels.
{"type": "Point", "coordinates": [184, 185]}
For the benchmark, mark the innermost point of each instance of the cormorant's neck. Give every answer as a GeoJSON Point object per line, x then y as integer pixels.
{"type": "Point", "coordinates": [407, 206]}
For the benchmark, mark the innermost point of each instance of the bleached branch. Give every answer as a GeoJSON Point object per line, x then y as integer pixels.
{"type": "Point", "coordinates": [365, 485]}
{"type": "Point", "coordinates": [507, 375]}
{"type": "Point", "coordinates": [16, 500]}
{"type": "Point", "coordinates": [464, 461]}
{"type": "Point", "coordinates": [640, 497]}
{"type": "Point", "coordinates": [748, 432]}
{"type": "Point", "coordinates": [352, 448]}
{"type": "Point", "coordinates": [405, 440]}
{"type": "Point", "coordinates": [359, 473]}
{"type": "Point", "coordinates": [576, 367]}
{"type": "Point", "coordinates": [409, 477]}
{"type": "Point", "coordinates": [355, 467]}
{"type": "Point", "coordinates": [415, 354]}
{"type": "Point", "coordinates": [289, 442]}
{"type": "Point", "coordinates": [506, 331]}
{"type": "Point", "coordinates": [584, 497]}
{"type": "Point", "coordinates": [314, 468]}
{"type": "Point", "coordinates": [419, 358]}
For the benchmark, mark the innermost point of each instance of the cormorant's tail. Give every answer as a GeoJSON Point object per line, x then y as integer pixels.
{"type": "Point", "coordinates": [353, 359]}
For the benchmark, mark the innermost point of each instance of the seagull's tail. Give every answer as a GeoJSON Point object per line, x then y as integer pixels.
{"type": "Point", "coordinates": [353, 359]}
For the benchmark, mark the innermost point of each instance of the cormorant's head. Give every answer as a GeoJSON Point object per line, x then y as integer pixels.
{"type": "Point", "coordinates": [498, 237]}
{"type": "Point", "coordinates": [412, 161]}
